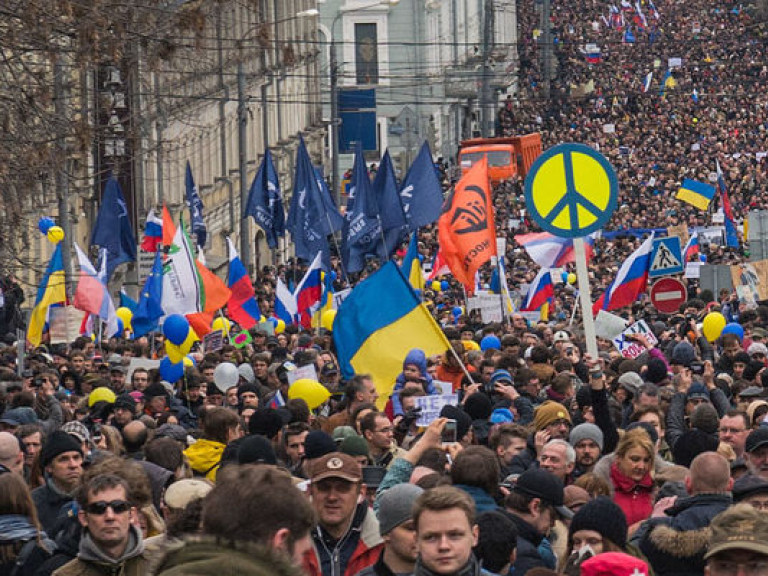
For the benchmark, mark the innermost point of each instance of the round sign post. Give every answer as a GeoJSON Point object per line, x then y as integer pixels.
{"type": "Point", "coordinates": [667, 294]}
{"type": "Point", "coordinates": [571, 191]}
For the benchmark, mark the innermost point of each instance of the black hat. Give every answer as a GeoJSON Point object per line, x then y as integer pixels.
{"type": "Point", "coordinates": [318, 444]}
{"type": "Point", "coordinates": [265, 422]}
{"type": "Point", "coordinates": [256, 450]}
{"type": "Point", "coordinates": [756, 439]}
{"type": "Point", "coordinates": [539, 483]}
{"type": "Point", "coordinates": [212, 390]}
{"type": "Point", "coordinates": [749, 485]}
{"type": "Point", "coordinates": [649, 429]}
{"type": "Point", "coordinates": [656, 371]}
{"type": "Point", "coordinates": [155, 390]}
{"type": "Point", "coordinates": [691, 444]}
{"type": "Point", "coordinates": [57, 443]}
{"type": "Point", "coordinates": [478, 406]}
{"type": "Point", "coordinates": [247, 388]}
{"type": "Point", "coordinates": [125, 401]}
{"type": "Point", "coordinates": [604, 517]}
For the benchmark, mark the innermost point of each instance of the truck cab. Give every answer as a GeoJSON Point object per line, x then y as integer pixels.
{"type": "Point", "coordinates": [507, 157]}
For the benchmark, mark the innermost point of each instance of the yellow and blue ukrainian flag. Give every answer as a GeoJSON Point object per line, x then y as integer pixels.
{"type": "Point", "coordinates": [52, 290]}
{"type": "Point", "coordinates": [696, 194]}
{"type": "Point", "coordinates": [411, 266]}
{"type": "Point", "coordinates": [379, 323]}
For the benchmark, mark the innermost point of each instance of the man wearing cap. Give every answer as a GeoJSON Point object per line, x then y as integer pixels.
{"type": "Point", "coordinates": [751, 490]}
{"type": "Point", "coordinates": [347, 537]}
{"type": "Point", "coordinates": [738, 543]}
{"type": "Point", "coordinates": [551, 420]}
{"type": "Point", "coordinates": [61, 458]}
{"type": "Point", "coordinates": [533, 503]}
{"type": "Point", "coordinates": [123, 411]}
{"type": "Point", "coordinates": [398, 531]}
{"type": "Point", "coordinates": [117, 373]}
{"type": "Point", "coordinates": [756, 452]}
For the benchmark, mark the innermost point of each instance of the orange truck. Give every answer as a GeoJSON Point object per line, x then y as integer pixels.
{"type": "Point", "coordinates": [507, 157]}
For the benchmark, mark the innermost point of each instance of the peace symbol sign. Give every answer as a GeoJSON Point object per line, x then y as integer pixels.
{"type": "Point", "coordinates": [571, 190]}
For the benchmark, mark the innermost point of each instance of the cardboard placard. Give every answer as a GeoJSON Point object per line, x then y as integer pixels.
{"type": "Point", "coordinates": [213, 341]}
{"type": "Point", "coordinates": [445, 388]}
{"type": "Point", "coordinates": [302, 372]}
{"type": "Point", "coordinates": [431, 406]}
{"type": "Point", "coordinates": [693, 270]}
{"type": "Point", "coordinates": [681, 231]}
{"type": "Point", "coordinates": [64, 324]}
{"type": "Point", "coordinates": [630, 348]}
{"type": "Point", "coordinates": [609, 326]}
{"type": "Point", "coordinates": [490, 306]}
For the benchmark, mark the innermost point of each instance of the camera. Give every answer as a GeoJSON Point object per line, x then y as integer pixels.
{"type": "Point", "coordinates": [697, 368]}
{"type": "Point", "coordinates": [448, 435]}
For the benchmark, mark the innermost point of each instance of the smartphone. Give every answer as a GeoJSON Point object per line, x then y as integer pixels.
{"type": "Point", "coordinates": [449, 432]}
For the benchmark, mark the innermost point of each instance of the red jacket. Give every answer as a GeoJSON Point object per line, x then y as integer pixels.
{"type": "Point", "coordinates": [367, 551]}
{"type": "Point", "coordinates": [634, 498]}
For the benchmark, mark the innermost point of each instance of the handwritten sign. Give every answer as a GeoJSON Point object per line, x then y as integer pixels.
{"type": "Point", "coordinates": [630, 348]}
{"type": "Point", "coordinates": [213, 341]}
{"type": "Point", "coordinates": [64, 323]}
{"type": "Point", "coordinates": [431, 406]}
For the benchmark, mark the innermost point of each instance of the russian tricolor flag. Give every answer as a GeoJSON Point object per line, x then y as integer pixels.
{"type": "Point", "coordinates": [550, 251]}
{"type": "Point", "coordinates": [285, 303]}
{"type": "Point", "coordinates": [309, 292]}
{"type": "Point", "coordinates": [91, 294]}
{"type": "Point", "coordinates": [692, 247]}
{"type": "Point", "coordinates": [241, 306]}
{"type": "Point", "coordinates": [631, 280]}
{"type": "Point", "coordinates": [540, 291]}
{"type": "Point", "coordinates": [153, 233]}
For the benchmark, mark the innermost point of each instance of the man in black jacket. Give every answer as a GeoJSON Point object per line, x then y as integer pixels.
{"type": "Point", "coordinates": [675, 544]}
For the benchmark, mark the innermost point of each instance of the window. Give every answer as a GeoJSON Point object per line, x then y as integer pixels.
{"type": "Point", "coordinates": [366, 54]}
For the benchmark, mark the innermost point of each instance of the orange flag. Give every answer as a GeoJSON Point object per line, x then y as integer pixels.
{"type": "Point", "coordinates": [169, 228]}
{"type": "Point", "coordinates": [466, 230]}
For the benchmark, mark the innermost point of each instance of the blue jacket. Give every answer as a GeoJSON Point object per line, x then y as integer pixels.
{"type": "Point", "coordinates": [415, 357]}
{"type": "Point", "coordinates": [484, 502]}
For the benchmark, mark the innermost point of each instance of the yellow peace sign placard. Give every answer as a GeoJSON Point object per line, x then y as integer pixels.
{"type": "Point", "coordinates": [571, 190]}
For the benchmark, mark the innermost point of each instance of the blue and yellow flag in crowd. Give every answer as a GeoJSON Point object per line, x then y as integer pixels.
{"type": "Point", "coordinates": [379, 323]}
{"type": "Point", "coordinates": [412, 264]}
{"type": "Point", "coordinates": [696, 194]}
{"type": "Point", "coordinates": [52, 290]}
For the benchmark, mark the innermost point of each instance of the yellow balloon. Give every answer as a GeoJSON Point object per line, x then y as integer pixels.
{"type": "Point", "coordinates": [186, 346]}
{"type": "Point", "coordinates": [571, 278]}
{"type": "Point", "coordinates": [101, 394]}
{"type": "Point", "coordinates": [220, 323]}
{"type": "Point", "coordinates": [55, 234]}
{"type": "Point", "coordinates": [470, 345]}
{"type": "Point", "coordinates": [280, 326]}
{"type": "Point", "coordinates": [311, 391]}
{"type": "Point", "coordinates": [436, 286]}
{"type": "Point", "coordinates": [126, 316]}
{"type": "Point", "coordinates": [713, 325]}
{"type": "Point", "coordinates": [174, 352]}
{"type": "Point", "coordinates": [327, 319]}
{"type": "Point", "coordinates": [187, 362]}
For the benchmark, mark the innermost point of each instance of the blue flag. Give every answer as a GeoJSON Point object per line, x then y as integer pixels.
{"type": "Point", "coordinates": [421, 194]}
{"type": "Point", "coordinates": [312, 215]}
{"type": "Point", "coordinates": [265, 202]}
{"type": "Point", "coordinates": [127, 302]}
{"type": "Point", "coordinates": [149, 309]}
{"type": "Point", "coordinates": [389, 208]}
{"type": "Point", "coordinates": [629, 36]}
{"type": "Point", "coordinates": [195, 205]}
{"type": "Point", "coordinates": [362, 227]}
{"type": "Point", "coordinates": [113, 228]}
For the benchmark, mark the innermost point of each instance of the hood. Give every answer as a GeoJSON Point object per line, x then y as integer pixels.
{"type": "Point", "coordinates": [417, 358]}
{"type": "Point", "coordinates": [680, 543]}
{"type": "Point", "coordinates": [204, 455]}
{"type": "Point", "coordinates": [90, 552]}
{"type": "Point", "coordinates": [206, 556]}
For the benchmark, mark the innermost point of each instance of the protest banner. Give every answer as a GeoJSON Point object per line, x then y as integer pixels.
{"type": "Point", "coordinates": [431, 405]}
{"type": "Point", "coordinates": [630, 348]}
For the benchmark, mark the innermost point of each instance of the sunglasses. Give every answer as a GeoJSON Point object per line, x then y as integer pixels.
{"type": "Point", "coordinates": [100, 507]}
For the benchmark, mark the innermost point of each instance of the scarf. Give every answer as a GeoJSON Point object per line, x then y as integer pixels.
{"type": "Point", "coordinates": [16, 528]}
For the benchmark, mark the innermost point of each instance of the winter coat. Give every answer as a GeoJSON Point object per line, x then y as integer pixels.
{"type": "Point", "coordinates": [676, 420]}
{"type": "Point", "coordinates": [353, 557]}
{"type": "Point", "coordinates": [52, 505]}
{"type": "Point", "coordinates": [206, 556]}
{"type": "Point", "coordinates": [417, 358]}
{"type": "Point", "coordinates": [675, 545]}
{"type": "Point", "coordinates": [204, 458]}
{"type": "Point", "coordinates": [91, 560]}
{"type": "Point", "coordinates": [528, 542]}
{"type": "Point", "coordinates": [484, 502]}
{"type": "Point", "coordinates": [525, 459]}
{"type": "Point", "coordinates": [634, 498]}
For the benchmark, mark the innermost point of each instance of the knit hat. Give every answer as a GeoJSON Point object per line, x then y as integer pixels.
{"type": "Point", "coordinates": [757, 348]}
{"type": "Point", "coordinates": [78, 430]}
{"type": "Point", "coordinates": [256, 450]}
{"type": "Point", "coordinates": [58, 442]}
{"type": "Point", "coordinates": [549, 412]}
{"type": "Point", "coordinates": [704, 417]}
{"type": "Point", "coordinates": [395, 506]}
{"type": "Point", "coordinates": [354, 446]}
{"type": "Point", "coordinates": [501, 416]}
{"type": "Point", "coordinates": [691, 444]}
{"type": "Point", "coordinates": [247, 388]}
{"type": "Point", "coordinates": [683, 354]}
{"type": "Point", "coordinates": [463, 420]}
{"type": "Point", "coordinates": [614, 564]}
{"type": "Point", "coordinates": [631, 382]}
{"type": "Point", "coordinates": [587, 431]}
{"type": "Point", "coordinates": [154, 391]}
{"type": "Point", "coordinates": [500, 376]}
{"type": "Point", "coordinates": [265, 422]}
{"type": "Point", "coordinates": [656, 370]}
{"type": "Point", "coordinates": [126, 402]}
{"type": "Point", "coordinates": [697, 390]}
{"type": "Point", "coordinates": [478, 406]}
{"type": "Point", "coordinates": [317, 444]}
{"type": "Point", "coordinates": [604, 517]}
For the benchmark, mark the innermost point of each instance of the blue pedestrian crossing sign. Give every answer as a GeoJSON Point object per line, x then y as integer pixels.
{"type": "Point", "coordinates": [666, 257]}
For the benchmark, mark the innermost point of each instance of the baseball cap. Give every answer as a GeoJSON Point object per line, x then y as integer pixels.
{"type": "Point", "coordinates": [179, 494]}
{"type": "Point", "coordinates": [749, 485]}
{"type": "Point", "coordinates": [336, 465]}
{"type": "Point", "coordinates": [541, 484]}
{"type": "Point", "coordinates": [740, 527]}
{"type": "Point", "coordinates": [561, 336]}
{"type": "Point", "coordinates": [756, 439]}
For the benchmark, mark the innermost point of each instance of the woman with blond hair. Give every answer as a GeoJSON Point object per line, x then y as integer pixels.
{"type": "Point", "coordinates": [630, 476]}
{"type": "Point", "coordinates": [23, 544]}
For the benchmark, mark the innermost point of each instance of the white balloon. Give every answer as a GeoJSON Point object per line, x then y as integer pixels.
{"type": "Point", "coordinates": [225, 376]}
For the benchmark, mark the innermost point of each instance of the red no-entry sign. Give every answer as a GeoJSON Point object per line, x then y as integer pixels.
{"type": "Point", "coordinates": [667, 294]}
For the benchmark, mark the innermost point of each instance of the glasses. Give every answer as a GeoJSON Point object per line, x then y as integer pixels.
{"type": "Point", "coordinates": [100, 507]}
{"type": "Point", "coordinates": [725, 568]}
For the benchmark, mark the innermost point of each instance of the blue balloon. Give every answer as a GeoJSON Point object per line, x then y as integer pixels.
{"type": "Point", "coordinates": [169, 371]}
{"type": "Point", "coordinates": [120, 329]}
{"type": "Point", "coordinates": [702, 257]}
{"type": "Point", "coordinates": [176, 329]}
{"type": "Point", "coordinates": [445, 285]}
{"type": "Point", "coordinates": [564, 276]}
{"type": "Point", "coordinates": [734, 328]}
{"type": "Point", "coordinates": [457, 311]}
{"type": "Point", "coordinates": [489, 342]}
{"type": "Point", "coordinates": [45, 224]}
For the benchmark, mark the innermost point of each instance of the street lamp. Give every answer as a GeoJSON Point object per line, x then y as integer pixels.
{"type": "Point", "coordinates": [335, 120]}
